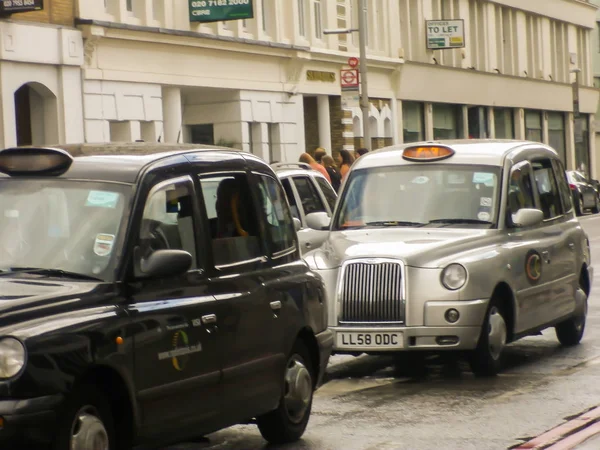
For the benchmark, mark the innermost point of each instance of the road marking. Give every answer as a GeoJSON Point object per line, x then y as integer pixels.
{"type": "Point", "coordinates": [577, 438]}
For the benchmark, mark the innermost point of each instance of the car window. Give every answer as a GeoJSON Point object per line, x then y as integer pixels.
{"type": "Point", "coordinates": [289, 193]}
{"type": "Point", "coordinates": [328, 191]}
{"type": "Point", "coordinates": [280, 227]}
{"type": "Point", "coordinates": [231, 213]}
{"type": "Point", "coordinates": [563, 185]}
{"type": "Point", "coordinates": [168, 220]}
{"type": "Point", "coordinates": [520, 188]}
{"type": "Point", "coordinates": [550, 199]}
{"type": "Point", "coordinates": [311, 201]}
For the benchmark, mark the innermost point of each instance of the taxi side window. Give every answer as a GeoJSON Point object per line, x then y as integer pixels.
{"type": "Point", "coordinates": [563, 185]}
{"type": "Point", "coordinates": [168, 219]}
{"type": "Point", "coordinates": [231, 215]}
{"type": "Point", "coordinates": [328, 191]}
{"type": "Point", "coordinates": [520, 188]}
{"type": "Point", "coordinates": [311, 200]}
{"type": "Point", "coordinates": [289, 193]}
{"type": "Point", "coordinates": [550, 198]}
{"type": "Point", "coordinates": [280, 226]}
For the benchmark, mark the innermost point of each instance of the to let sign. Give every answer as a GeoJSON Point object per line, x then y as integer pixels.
{"type": "Point", "coordinates": [17, 6]}
{"type": "Point", "coordinates": [220, 10]}
{"type": "Point", "coordinates": [445, 34]}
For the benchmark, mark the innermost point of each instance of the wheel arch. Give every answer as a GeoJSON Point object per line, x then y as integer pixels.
{"type": "Point", "coordinates": [120, 399]}
{"type": "Point", "coordinates": [307, 337]}
{"type": "Point", "coordinates": [504, 295]}
{"type": "Point", "coordinates": [584, 279]}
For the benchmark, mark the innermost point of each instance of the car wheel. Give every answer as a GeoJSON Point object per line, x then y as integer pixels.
{"type": "Point", "coordinates": [486, 359]}
{"type": "Point", "coordinates": [288, 422]}
{"type": "Point", "coordinates": [570, 331]}
{"type": "Point", "coordinates": [87, 423]}
{"type": "Point", "coordinates": [579, 206]}
{"type": "Point", "coordinates": [596, 208]}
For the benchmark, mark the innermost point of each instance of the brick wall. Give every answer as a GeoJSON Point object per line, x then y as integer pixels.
{"type": "Point", "coordinates": [311, 125]}
{"type": "Point", "coordinates": [59, 12]}
{"type": "Point", "coordinates": [340, 122]}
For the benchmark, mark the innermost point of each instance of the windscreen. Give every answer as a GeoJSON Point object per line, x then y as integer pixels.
{"type": "Point", "coordinates": [420, 195]}
{"type": "Point", "coordinates": [59, 224]}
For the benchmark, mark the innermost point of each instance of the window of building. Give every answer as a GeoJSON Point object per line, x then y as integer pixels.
{"type": "Point", "coordinates": [413, 121]}
{"type": "Point", "coordinates": [556, 134]}
{"type": "Point", "coordinates": [202, 134]}
{"type": "Point", "coordinates": [533, 126]}
{"type": "Point", "coordinates": [447, 121]}
{"type": "Point", "coordinates": [582, 145]}
{"type": "Point", "coordinates": [265, 15]}
{"type": "Point", "coordinates": [318, 19]}
{"type": "Point", "coordinates": [129, 5]}
{"type": "Point", "coordinates": [477, 122]}
{"type": "Point", "coordinates": [503, 123]}
{"type": "Point", "coordinates": [301, 17]}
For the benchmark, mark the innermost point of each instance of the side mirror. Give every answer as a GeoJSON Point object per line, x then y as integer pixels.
{"type": "Point", "coordinates": [297, 224]}
{"type": "Point", "coordinates": [527, 217]}
{"type": "Point", "coordinates": [166, 263]}
{"type": "Point", "coordinates": [318, 221]}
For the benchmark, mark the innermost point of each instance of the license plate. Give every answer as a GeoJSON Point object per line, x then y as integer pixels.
{"type": "Point", "coordinates": [370, 339]}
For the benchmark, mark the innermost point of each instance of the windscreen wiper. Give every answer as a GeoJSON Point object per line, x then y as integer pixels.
{"type": "Point", "coordinates": [450, 221]}
{"type": "Point", "coordinates": [394, 223]}
{"type": "Point", "coordinates": [55, 273]}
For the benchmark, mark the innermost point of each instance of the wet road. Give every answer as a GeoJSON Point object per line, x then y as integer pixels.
{"type": "Point", "coordinates": [370, 404]}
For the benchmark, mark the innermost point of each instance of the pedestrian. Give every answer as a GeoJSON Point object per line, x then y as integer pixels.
{"type": "Point", "coordinates": [334, 174]}
{"type": "Point", "coordinates": [361, 151]}
{"type": "Point", "coordinates": [344, 161]}
{"type": "Point", "coordinates": [307, 159]}
{"type": "Point", "coordinates": [319, 153]}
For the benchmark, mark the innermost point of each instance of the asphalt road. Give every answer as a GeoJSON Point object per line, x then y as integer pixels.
{"type": "Point", "coordinates": [370, 404]}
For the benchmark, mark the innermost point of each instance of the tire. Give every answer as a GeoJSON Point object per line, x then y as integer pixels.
{"type": "Point", "coordinates": [596, 208]}
{"type": "Point", "coordinates": [570, 332]}
{"type": "Point", "coordinates": [87, 416]}
{"type": "Point", "coordinates": [579, 206]}
{"type": "Point", "coordinates": [487, 358]}
{"type": "Point", "coordinates": [288, 422]}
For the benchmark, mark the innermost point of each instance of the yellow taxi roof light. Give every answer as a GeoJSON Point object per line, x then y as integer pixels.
{"type": "Point", "coordinates": [34, 161]}
{"type": "Point", "coordinates": [427, 153]}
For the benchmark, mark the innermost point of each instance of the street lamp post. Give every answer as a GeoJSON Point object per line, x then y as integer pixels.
{"type": "Point", "coordinates": [362, 67]}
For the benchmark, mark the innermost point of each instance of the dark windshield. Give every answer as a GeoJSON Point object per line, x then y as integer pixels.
{"type": "Point", "coordinates": [420, 195]}
{"type": "Point", "coordinates": [71, 226]}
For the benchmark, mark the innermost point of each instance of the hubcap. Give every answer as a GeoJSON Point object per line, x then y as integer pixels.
{"type": "Point", "coordinates": [88, 431]}
{"type": "Point", "coordinates": [496, 333]}
{"type": "Point", "coordinates": [580, 204]}
{"type": "Point", "coordinates": [298, 389]}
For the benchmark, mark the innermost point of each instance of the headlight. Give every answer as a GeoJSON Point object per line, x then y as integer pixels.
{"type": "Point", "coordinates": [454, 276]}
{"type": "Point", "coordinates": [12, 357]}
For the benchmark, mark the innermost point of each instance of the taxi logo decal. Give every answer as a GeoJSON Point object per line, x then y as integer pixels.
{"type": "Point", "coordinates": [181, 350]}
{"type": "Point", "coordinates": [533, 266]}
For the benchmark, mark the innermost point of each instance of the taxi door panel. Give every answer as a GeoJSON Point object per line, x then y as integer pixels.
{"type": "Point", "coordinates": [177, 364]}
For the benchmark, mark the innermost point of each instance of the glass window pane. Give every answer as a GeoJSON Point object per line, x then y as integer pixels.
{"type": "Point", "coordinates": [413, 128]}
{"type": "Point", "coordinates": [547, 189]}
{"type": "Point", "coordinates": [328, 191]}
{"type": "Point", "coordinates": [311, 202]}
{"type": "Point", "coordinates": [280, 227]}
{"type": "Point", "coordinates": [503, 123]}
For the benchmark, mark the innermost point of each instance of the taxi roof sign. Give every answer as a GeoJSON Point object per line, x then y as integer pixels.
{"type": "Point", "coordinates": [34, 161]}
{"type": "Point", "coordinates": [427, 153]}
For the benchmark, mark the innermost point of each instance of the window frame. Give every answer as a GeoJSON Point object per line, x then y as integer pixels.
{"type": "Point", "coordinates": [264, 225]}
{"type": "Point", "coordinates": [258, 261]}
{"type": "Point", "coordinates": [196, 221]}
{"type": "Point", "coordinates": [317, 180]}
{"type": "Point", "coordinates": [536, 199]}
{"type": "Point", "coordinates": [316, 191]}
{"type": "Point", "coordinates": [562, 212]}
{"type": "Point", "coordinates": [298, 202]}
{"type": "Point", "coordinates": [557, 166]}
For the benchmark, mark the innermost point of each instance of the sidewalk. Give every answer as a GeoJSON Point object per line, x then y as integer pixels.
{"type": "Point", "coordinates": [580, 433]}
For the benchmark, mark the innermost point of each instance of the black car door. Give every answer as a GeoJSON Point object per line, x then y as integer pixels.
{"type": "Point", "coordinates": [176, 344]}
{"type": "Point", "coordinates": [247, 308]}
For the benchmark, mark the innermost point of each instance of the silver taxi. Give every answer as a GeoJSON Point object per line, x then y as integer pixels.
{"type": "Point", "coordinates": [455, 245]}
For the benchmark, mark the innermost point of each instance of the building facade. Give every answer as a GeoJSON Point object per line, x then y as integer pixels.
{"type": "Point", "coordinates": [271, 84]}
{"type": "Point", "coordinates": [41, 55]}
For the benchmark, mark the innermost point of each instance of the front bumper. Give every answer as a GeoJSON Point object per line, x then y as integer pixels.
{"type": "Point", "coordinates": [325, 342]}
{"type": "Point", "coordinates": [29, 423]}
{"type": "Point", "coordinates": [436, 333]}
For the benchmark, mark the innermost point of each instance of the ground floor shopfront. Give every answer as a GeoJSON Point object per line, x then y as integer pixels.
{"type": "Point", "coordinates": [279, 102]}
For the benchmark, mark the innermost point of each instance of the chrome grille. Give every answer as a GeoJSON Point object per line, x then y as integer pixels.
{"type": "Point", "coordinates": [371, 291]}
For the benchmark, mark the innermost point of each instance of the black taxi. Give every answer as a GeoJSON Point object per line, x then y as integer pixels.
{"type": "Point", "coordinates": [151, 293]}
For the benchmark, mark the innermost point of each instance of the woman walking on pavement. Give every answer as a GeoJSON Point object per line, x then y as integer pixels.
{"type": "Point", "coordinates": [307, 159]}
{"type": "Point", "coordinates": [344, 161]}
{"type": "Point", "coordinates": [336, 177]}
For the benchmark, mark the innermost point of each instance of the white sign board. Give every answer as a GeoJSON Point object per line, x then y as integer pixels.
{"type": "Point", "coordinates": [445, 34]}
{"type": "Point", "coordinates": [350, 99]}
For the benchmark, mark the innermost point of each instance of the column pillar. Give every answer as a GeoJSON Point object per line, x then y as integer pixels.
{"type": "Point", "coordinates": [323, 116]}
{"type": "Point", "coordinates": [172, 114]}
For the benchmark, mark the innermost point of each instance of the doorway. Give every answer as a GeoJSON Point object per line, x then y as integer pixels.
{"type": "Point", "coordinates": [36, 115]}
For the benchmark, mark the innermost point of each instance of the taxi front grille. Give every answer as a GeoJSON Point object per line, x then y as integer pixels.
{"type": "Point", "coordinates": [371, 292]}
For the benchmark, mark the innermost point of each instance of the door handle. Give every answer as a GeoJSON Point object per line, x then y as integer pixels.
{"type": "Point", "coordinates": [209, 319]}
{"type": "Point", "coordinates": [275, 306]}
{"type": "Point", "coordinates": [546, 256]}
{"type": "Point", "coordinates": [571, 246]}
{"type": "Point", "coordinates": [308, 244]}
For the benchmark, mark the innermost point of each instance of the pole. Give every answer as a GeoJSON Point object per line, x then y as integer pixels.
{"type": "Point", "coordinates": [362, 67]}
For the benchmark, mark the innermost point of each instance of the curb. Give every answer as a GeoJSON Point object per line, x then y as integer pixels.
{"type": "Point", "coordinates": [567, 435]}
